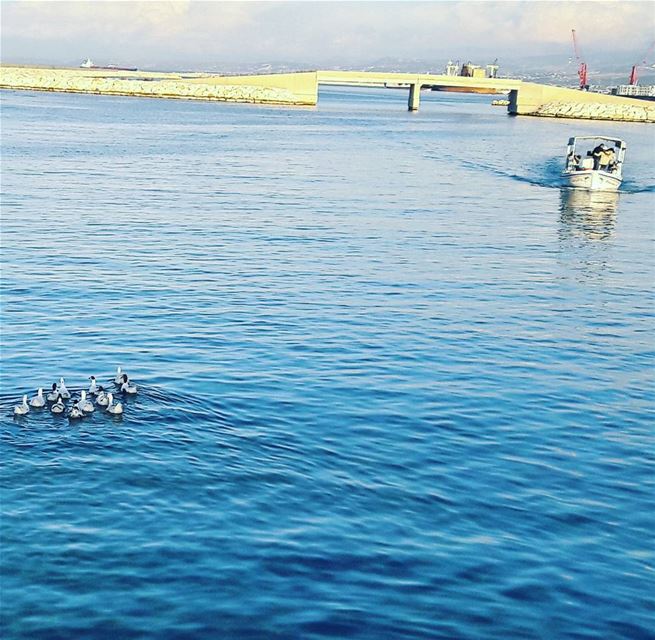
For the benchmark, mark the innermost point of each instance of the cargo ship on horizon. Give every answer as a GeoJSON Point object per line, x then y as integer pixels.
{"type": "Point", "coordinates": [88, 64]}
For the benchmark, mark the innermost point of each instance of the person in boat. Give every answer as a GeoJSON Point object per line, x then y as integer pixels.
{"type": "Point", "coordinates": [607, 159]}
{"type": "Point", "coordinates": [597, 155]}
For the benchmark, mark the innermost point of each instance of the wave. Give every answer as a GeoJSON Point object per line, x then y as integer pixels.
{"type": "Point", "coordinates": [150, 404]}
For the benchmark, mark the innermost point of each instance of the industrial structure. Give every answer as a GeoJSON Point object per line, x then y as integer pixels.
{"type": "Point", "coordinates": [634, 72]}
{"type": "Point", "coordinates": [582, 68]}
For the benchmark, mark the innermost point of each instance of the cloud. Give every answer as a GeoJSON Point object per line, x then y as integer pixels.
{"type": "Point", "coordinates": [200, 33]}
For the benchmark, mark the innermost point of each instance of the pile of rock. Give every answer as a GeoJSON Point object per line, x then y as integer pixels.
{"type": "Point", "coordinates": [595, 111]}
{"type": "Point", "coordinates": [74, 81]}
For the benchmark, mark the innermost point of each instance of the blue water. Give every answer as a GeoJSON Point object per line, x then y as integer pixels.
{"type": "Point", "coordinates": [395, 381]}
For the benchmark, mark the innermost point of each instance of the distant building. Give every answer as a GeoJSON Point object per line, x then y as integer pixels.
{"type": "Point", "coordinates": [452, 68]}
{"type": "Point", "coordinates": [470, 70]}
{"type": "Point", "coordinates": [646, 91]}
{"type": "Point", "coordinates": [492, 70]}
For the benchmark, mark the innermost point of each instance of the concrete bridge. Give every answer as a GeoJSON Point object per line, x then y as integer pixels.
{"type": "Point", "coordinates": [415, 82]}
{"type": "Point", "coordinates": [302, 88]}
{"type": "Point", "coordinates": [525, 98]}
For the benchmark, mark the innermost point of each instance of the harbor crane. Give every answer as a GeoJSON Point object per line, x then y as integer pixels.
{"type": "Point", "coordinates": [634, 77]}
{"type": "Point", "coordinates": [582, 69]}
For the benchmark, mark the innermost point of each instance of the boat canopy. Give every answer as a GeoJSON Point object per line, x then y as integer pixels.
{"type": "Point", "coordinates": [617, 142]}
{"type": "Point", "coordinates": [602, 166]}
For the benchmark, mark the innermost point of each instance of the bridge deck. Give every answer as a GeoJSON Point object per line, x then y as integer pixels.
{"type": "Point", "coordinates": [369, 78]}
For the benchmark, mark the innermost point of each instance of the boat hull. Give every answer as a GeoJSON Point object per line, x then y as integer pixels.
{"type": "Point", "coordinates": [593, 180]}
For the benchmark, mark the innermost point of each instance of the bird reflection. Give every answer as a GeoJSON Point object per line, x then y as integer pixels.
{"type": "Point", "coordinates": [588, 214]}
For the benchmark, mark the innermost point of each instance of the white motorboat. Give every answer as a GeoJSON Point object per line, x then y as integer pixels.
{"type": "Point", "coordinates": [594, 163]}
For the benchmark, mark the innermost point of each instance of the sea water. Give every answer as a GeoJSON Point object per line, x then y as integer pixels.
{"type": "Point", "coordinates": [395, 381]}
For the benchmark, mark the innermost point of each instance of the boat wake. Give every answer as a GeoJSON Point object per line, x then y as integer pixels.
{"type": "Point", "coordinates": [631, 187]}
{"type": "Point", "coordinates": [550, 176]}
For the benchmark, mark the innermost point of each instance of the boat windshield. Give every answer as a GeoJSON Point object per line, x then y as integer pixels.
{"type": "Point", "coordinates": [594, 154]}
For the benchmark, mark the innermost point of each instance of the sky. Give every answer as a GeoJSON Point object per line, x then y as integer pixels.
{"type": "Point", "coordinates": [196, 34]}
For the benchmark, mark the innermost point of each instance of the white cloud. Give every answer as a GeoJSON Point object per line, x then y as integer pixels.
{"type": "Point", "coordinates": [196, 32]}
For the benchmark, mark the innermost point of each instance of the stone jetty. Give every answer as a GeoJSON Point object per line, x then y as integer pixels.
{"type": "Point", "coordinates": [287, 89]}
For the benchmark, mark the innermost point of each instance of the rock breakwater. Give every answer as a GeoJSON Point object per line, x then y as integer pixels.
{"type": "Point", "coordinates": [160, 85]}
{"type": "Point", "coordinates": [591, 111]}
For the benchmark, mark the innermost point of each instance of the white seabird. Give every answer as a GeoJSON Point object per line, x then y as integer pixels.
{"type": "Point", "coordinates": [93, 388]}
{"type": "Point", "coordinates": [54, 394]}
{"type": "Point", "coordinates": [22, 409]}
{"type": "Point", "coordinates": [58, 407]}
{"type": "Point", "coordinates": [119, 376]}
{"type": "Point", "coordinates": [75, 413]}
{"type": "Point", "coordinates": [127, 386]}
{"type": "Point", "coordinates": [38, 400]}
{"type": "Point", "coordinates": [63, 391]}
{"type": "Point", "coordinates": [101, 398]}
{"type": "Point", "coordinates": [84, 404]}
{"type": "Point", "coordinates": [115, 409]}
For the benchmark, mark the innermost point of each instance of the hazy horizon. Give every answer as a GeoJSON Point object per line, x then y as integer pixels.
{"type": "Point", "coordinates": [197, 34]}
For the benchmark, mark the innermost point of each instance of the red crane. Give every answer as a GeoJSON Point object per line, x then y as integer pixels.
{"type": "Point", "coordinates": [633, 72]}
{"type": "Point", "coordinates": [582, 69]}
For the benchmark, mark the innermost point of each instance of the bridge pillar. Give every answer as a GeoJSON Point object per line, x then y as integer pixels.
{"type": "Point", "coordinates": [414, 97]}
{"type": "Point", "coordinates": [513, 106]}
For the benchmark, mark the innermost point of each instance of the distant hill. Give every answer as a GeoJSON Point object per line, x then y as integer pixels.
{"type": "Point", "coordinates": [607, 69]}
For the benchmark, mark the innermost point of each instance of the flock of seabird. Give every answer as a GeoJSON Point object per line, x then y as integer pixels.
{"type": "Point", "coordinates": [59, 394]}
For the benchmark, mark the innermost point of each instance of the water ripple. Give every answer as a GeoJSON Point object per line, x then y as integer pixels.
{"type": "Point", "coordinates": [394, 381]}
